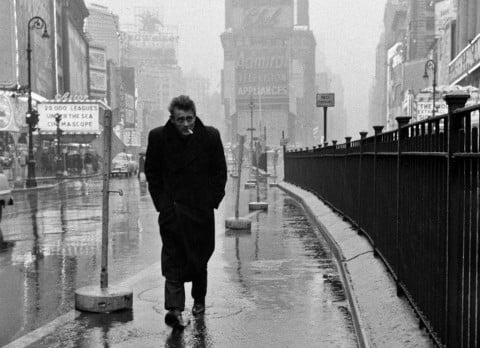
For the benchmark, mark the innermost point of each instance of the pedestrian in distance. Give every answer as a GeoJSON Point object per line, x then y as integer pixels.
{"type": "Point", "coordinates": [141, 164]}
{"type": "Point", "coordinates": [186, 173]}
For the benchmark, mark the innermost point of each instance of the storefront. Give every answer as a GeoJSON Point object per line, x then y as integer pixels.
{"type": "Point", "coordinates": [70, 136]}
{"type": "Point", "coordinates": [13, 132]}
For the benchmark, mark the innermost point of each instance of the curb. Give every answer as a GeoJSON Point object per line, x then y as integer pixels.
{"type": "Point", "coordinates": [34, 189]}
{"type": "Point", "coordinates": [362, 338]}
{"type": "Point", "coordinates": [50, 327]}
{"type": "Point", "coordinates": [380, 317]}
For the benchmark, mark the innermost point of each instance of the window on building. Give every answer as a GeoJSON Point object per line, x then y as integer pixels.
{"type": "Point", "coordinates": [430, 25]}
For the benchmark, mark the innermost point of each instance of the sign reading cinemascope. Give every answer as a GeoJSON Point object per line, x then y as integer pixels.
{"type": "Point", "coordinates": [78, 118]}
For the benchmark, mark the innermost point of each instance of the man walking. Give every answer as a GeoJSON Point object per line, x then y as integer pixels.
{"type": "Point", "coordinates": [186, 172]}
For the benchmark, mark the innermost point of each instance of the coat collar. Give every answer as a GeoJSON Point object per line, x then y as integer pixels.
{"type": "Point", "coordinates": [181, 158]}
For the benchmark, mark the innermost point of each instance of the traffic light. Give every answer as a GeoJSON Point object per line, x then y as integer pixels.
{"type": "Point", "coordinates": [58, 119]}
{"type": "Point", "coordinates": [32, 120]}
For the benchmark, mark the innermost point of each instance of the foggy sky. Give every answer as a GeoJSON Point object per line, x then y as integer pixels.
{"type": "Point", "coordinates": [347, 32]}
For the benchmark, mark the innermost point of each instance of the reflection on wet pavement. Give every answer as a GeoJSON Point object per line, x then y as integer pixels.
{"type": "Point", "coordinates": [276, 286]}
{"type": "Point", "coordinates": [53, 248]}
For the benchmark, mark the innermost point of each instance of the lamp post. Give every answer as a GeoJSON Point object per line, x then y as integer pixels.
{"type": "Point", "coordinates": [431, 65]}
{"type": "Point", "coordinates": [58, 119]}
{"type": "Point", "coordinates": [251, 129]}
{"type": "Point", "coordinates": [32, 115]}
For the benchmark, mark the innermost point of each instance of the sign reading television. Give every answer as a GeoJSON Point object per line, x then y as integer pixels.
{"type": "Point", "coordinates": [77, 118]}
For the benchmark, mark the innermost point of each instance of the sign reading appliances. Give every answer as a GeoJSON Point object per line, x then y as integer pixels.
{"type": "Point", "coordinates": [262, 72]}
{"type": "Point", "coordinates": [76, 118]}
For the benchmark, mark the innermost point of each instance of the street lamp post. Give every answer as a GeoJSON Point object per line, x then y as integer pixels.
{"type": "Point", "coordinates": [58, 119]}
{"type": "Point", "coordinates": [32, 115]}
{"type": "Point", "coordinates": [251, 129]}
{"type": "Point", "coordinates": [431, 65]}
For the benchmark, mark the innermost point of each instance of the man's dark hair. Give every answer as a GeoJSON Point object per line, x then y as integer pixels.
{"type": "Point", "coordinates": [182, 102]}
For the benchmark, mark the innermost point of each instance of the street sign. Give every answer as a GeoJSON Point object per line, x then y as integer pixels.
{"type": "Point", "coordinates": [284, 142]}
{"type": "Point", "coordinates": [325, 100]}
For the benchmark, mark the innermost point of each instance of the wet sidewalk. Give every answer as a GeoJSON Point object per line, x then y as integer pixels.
{"type": "Point", "coordinates": [277, 286]}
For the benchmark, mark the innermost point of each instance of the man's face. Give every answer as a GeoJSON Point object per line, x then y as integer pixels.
{"type": "Point", "coordinates": [183, 120]}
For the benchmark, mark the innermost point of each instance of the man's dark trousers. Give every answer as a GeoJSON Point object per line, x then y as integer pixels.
{"type": "Point", "coordinates": [175, 292]}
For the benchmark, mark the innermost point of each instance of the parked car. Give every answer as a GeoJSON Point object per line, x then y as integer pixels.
{"type": "Point", "coordinates": [5, 193]}
{"type": "Point", "coordinates": [124, 164]}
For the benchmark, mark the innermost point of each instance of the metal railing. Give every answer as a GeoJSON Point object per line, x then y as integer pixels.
{"type": "Point", "coordinates": [414, 193]}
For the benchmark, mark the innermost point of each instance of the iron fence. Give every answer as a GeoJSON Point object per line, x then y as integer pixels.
{"type": "Point", "coordinates": [414, 193]}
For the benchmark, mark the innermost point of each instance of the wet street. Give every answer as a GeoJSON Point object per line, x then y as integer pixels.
{"type": "Point", "coordinates": [277, 286]}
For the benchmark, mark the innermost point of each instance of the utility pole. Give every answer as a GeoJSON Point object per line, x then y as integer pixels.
{"type": "Point", "coordinates": [251, 129]}
{"type": "Point", "coordinates": [58, 119]}
{"type": "Point", "coordinates": [37, 23]}
{"type": "Point", "coordinates": [325, 124]}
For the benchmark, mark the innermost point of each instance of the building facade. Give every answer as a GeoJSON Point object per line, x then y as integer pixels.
{"type": "Point", "coordinates": [269, 63]}
{"type": "Point", "coordinates": [59, 64]}
{"type": "Point", "coordinates": [151, 48]}
{"type": "Point", "coordinates": [409, 39]}
{"type": "Point", "coordinates": [464, 69]}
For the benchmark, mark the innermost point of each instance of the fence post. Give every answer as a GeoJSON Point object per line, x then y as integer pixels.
{"type": "Point", "coordinates": [378, 130]}
{"type": "Point", "coordinates": [345, 196]}
{"type": "Point", "coordinates": [358, 219]}
{"type": "Point", "coordinates": [454, 224]}
{"type": "Point", "coordinates": [284, 151]}
{"type": "Point", "coordinates": [401, 136]}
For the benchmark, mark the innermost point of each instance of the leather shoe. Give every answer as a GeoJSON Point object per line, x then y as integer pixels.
{"type": "Point", "coordinates": [175, 320]}
{"type": "Point", "coordinates": [198, 308]}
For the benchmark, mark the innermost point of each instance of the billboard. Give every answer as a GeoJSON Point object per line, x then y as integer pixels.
{"type": "Point", "coordinates": [162, 46]}
{"type": "Point", "coordinates": [98, 80]}
{"type": "Point", "coordinates": [131, 137]}
{"type": "Point", "coordinates": [127, 96]}
{"type": "Point", "coordinates": [8, 76]}
{"type": "Point", "coordinates": [98, 58]}
{"type": "Point", "coordinates": [77, 118]}
{"type": "Point", "coordinates": [6, 114]}
{"type": "Point", "coordinates": [466, 61]}
{"type": "Point", "coordinates": [262, 73]}
{"type": "Point", "coordinates": [262, 14]}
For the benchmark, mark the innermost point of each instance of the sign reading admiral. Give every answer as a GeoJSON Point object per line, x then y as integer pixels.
{"type": "Point", "coordinates": [262, 73]}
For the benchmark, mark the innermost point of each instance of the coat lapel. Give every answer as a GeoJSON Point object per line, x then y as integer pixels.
{"type": "Point", "coordinates": [180, 159]}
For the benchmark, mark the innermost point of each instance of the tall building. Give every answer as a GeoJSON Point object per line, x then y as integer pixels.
{"type": "Point", "coordinates": [198, 88]}
{"type": "Point", "coordinates": [408, 41]}
{"type": "Point", "coordinates": [151, 48]}
{"type": "Point", "coordinates": [59, 60]}
{"type": "Point", "coordinates": [421, 28]}
{"type": "Point", "coordinates": [464, 69]}
{"type": "Point", "coordinates": [102, 26]}
{"type": "Point", "coordinates": [269, 61]}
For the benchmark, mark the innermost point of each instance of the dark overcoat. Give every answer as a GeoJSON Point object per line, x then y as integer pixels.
{"type": "Point", "coordinates": [186, 180]}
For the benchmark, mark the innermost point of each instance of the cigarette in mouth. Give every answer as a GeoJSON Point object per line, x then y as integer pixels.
{"type": "Point", "coordinates": [190, 131]}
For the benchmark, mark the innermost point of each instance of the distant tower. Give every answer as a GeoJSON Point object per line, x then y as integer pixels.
{"type": "Point", "coordinates": [228, 13]}
{"type": "Point", "coordinates": [302, 13]}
